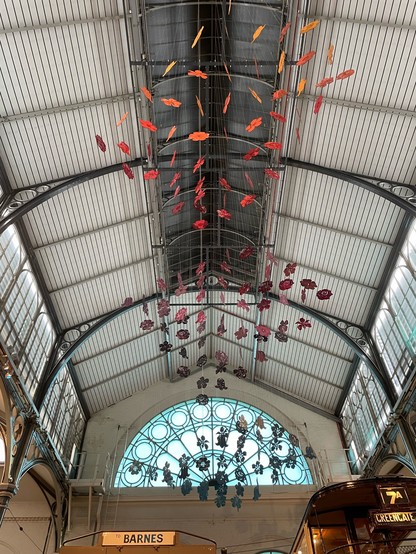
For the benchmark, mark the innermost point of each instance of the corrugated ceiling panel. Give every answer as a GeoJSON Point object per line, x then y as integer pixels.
{"type": "Point", "coordinates": [68, 263]}
{"type": "Point", "coordinates": [98, 203]}
{"type": "Point", "coordinates": [370, 143]}
{"type": "Point", "coordinates": [58, 145]}
{"type": "Point", "coordinates": [50, 12]}
{"type": "Point", "coordinates": [121, 387]}
{"type": "Point", "coordinates": [313, 391]}
{"type": "Point", "coordinates": [120, 360]}
{"type": "Point", "coordinates": [89, 299]}
{"type": "Point", "coordinates": [318, 336]}
{"type": "Point", "coordinates": [322, 250]}
{"type": "Point", "coordinates": [63, 65]}
{"type": "Point", "coordinates": [334, 203]}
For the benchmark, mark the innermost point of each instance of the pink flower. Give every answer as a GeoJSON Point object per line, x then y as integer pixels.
{"type": "Point", "coordinates": [181, 315]}
{"type": "Point", "coordinates": [163, 308]}
{"type": "Point", "coordinates": [241, 333]}
{"type": "Point", "coordinates": [261, 356]}
{"type": "Point", "coordinates": [243, 304]}
{"type": "Point", "coordinates": [324, 294]}
{"type": "Point", "coordinates": [200, 281]}
{"type": "Point", "coordinates": [246, 253]}
{"type": "Point", "coordinates": [200, 296]}
{"type": "Point", "coordinates": [224, 214]}
{"type": "Point", "coordinates": [223, 282]}
{"type": "Point", "coordinates": [225, 267]}
{"type": "Point", "coordinates": [201, 317]}
{"type": "Point", "coordinates": [263, 330]}
{"type": "Point", "coordinates": [303, 323]}
{"type": "Point", "coordinates": [201, 268]}
{"type": "Point", "coordinates": [286, 284]}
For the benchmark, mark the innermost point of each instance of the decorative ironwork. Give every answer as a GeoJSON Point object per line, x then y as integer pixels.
{"type": "Point", "coordinates": [214, 444]}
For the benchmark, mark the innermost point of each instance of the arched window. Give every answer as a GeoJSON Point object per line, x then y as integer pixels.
{"type": "Point", "coordinates": [225, 442]}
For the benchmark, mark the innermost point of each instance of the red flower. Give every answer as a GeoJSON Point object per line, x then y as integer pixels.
{"type": "Point", "coordinates": [265, 286]}
{"type": "Point", "coordinates": [272, 174]}
{"type": "Point", "coordinates": [251, 154]}
{"type": "Point", "coordinates": [246, 253]}
{"type": "Point", "coordinates": [264, 304]}
{"type": "Point", "coordinates": [308, 284]}
{"type": "Point", "coordinates": [289, 269]}
{"type": "Point", "coordinates": [324, 294]}
{"type": "Point", "coordinates": [224, 183]}
{"type": "Point", "coordinates": [127, 170]}
{"type": "Point", "coordinates": [245, 287]}
{"type": "Point", "coordinates": [223, 282]}
{"type": "Point", "coordinates": [178, 207]}
{"type": "Point", "coordinates": [200, 224]}
{"type": "Point", "coordinates": [278, 117]}
{"type": "Point", "coordinates": [100, 143]}
{"type": "Point", "coordinates": [150, 175]}
{"type": "Point", "coordinates": [225, 267]}
{"type": "Point", "coordinates": [273, 145]}
{"type": "Point", "coordinates": [224, 214]}
{"type": "Point", "coordinates": [286, 284]}
{"type": "Point", "coordinates": [200, 296]}
{"type": "Point", "coordinates": [303, 323]}
{"type": "Point", "coordinates": [247, 200]}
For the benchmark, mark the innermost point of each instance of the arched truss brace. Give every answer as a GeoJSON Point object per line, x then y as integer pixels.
{"type": "Point", "coordinates": [14, 207]}
{"type": "Point", "coordinates": [87, 329]}
{"type": "Point", "coordinates": [386, 189]}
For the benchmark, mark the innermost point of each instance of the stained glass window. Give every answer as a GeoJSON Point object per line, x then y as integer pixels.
{"type": "Point", "coordinates": [223, 442]}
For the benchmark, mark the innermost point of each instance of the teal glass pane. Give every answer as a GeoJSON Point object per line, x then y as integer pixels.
{"type": "Point", "coordinates": [225, 441]}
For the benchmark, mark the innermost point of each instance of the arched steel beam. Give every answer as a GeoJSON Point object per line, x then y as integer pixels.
{"type": "Point", "coordinates": [408, 204]}
{"type": "Point", "coordinates": [358, 349]}
{"type": "Point", "coordinates": [23, 207]}
{"type": "Point", "coordinates": [92, 326]}
{"type": "Point", "coordinates": [51, 373]}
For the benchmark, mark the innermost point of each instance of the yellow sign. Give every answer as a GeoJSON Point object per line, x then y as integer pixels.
{"type": "Point", "coordinates": [142, 538]}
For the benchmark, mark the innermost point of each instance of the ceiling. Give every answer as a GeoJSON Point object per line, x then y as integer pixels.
{"type": "Point", "coordinates": [71, 70]}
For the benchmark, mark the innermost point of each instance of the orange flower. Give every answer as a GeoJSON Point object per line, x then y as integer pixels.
{"type": "Point", "coordinates": [330, 54]}
{"type": "Point", "coordinates": [171, 133]}
{"type": "Point", "coordinates": [198, 36]}
{"type": "Point", "coordinates": [301, 86]}
{"type": "Point", "coordinates": [253, 124]}
{"type": "Point", "coordinates": [309, 26]}
{"type": "Point", "coordinates": [147, 125]}
{"type": "Point", "coordinates": [272, 174]}
{"type": "Point", "coordinates": [255, 95]}
{"type": "Point", "coordinates": [257, 32]}
{"type": "Point", "coordinates": [281, 62]}
{"type": "Point", "coordinates": [122, 118]}
{"type": "Point", "coordinates": [308, 56]}
{"type": "Point", "coordinates": [226, 103]}
{"type": "Point", "coordinates": [198, 135]}
{"type": "Point", "coordinates": [325, 81]}
{"type": "Point", "coordinates": [278, 94]}
{"type": "Point", "coordinates": [198, 102]}
{"type": "Point", "coordinates": [147, 93]}
{"type": "Point", "coordinates": [169, 67]}
{"type": "Point", "coordinates": [197, 73]}
{"type": "Point", "coordinates": [284, 31]}
{"type": "Point", "coordinates": [171, 102]}
{"type": "Point", "coordinates": [345, 74]}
